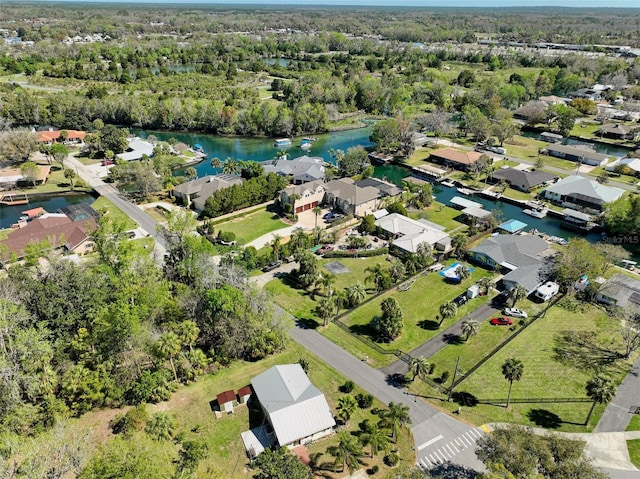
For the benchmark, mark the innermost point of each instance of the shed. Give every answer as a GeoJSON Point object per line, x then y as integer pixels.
{"type": "Point", "coordinates": [513, 226]}
{"type": "Point", "coordinates": [244, 394]}
{"type": "Point", "coordinates": [226, 401]}
{"type": "Point", "coordinates": [473, 291]}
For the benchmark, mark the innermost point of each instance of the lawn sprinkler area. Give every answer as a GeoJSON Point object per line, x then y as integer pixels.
{"type": "Point", "coordinates": [335, 267]}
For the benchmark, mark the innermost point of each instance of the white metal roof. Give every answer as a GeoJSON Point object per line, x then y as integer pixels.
{"type": "Point", "coordinates": [464, 203]}
{"type": "Point", "coordinates": [296, 408]}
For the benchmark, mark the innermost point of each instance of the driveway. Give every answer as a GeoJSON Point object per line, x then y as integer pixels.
{"type": "Point", "coordinates": [435, 344]}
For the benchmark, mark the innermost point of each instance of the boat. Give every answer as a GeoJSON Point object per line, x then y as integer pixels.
{"type": "Point", "coordinates": [305, 144]}
{"type": "Point", "coordinates": [448, 183]}
{"type": "Point", "coordinates": [464, 191]}
{"type": "Point", "coordinates": [17, 199]}
{"type": "Point", "coordinates": [536, 212]}
{"type": "Point", "coordinates": [282, 143]}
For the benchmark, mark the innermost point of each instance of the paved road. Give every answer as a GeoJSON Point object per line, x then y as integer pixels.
{"type": "Point", "coordinates": [146, 222]}
{"type": "Point", "coordinates": [619, 411]}
{"type": "Point", "coordinates": [438, 437]}
{"type": "Point", "coordinates": [440, 341]}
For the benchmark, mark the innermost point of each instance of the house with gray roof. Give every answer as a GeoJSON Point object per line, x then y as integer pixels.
{"type": "Point", "coordinates": [579, 153]}
{"type": "Point", "coordinates": [617, 131]}
{"type": "Point", "coordinates": [408, 233]}
{"type": "Point", "coordinates": [301, 170]}
{"type": "Point", "coordinates": [520, 257]}
{"type": "Point", "coordinates": [359, 198]}
{"type": "Point", "coordinates": [199, 190]}
{"type": "Point", "coordinates": [578, 192]}
{"type": "Point", "coordinates": [621, 291]}
{"type": "Point", "coordinates": [523, 180]}
{"type": "Point", "coordinates": [296, 412]}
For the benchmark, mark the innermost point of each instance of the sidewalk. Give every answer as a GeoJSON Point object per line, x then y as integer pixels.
{"type": "Point", "coordinates": [619, 411]}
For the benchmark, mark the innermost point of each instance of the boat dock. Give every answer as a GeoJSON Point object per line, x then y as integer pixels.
{"type": "Point", "coordinates": [14, 199]}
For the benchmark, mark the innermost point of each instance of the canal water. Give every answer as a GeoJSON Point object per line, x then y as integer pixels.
{"type": "Point", "coordinates": [612, 150]}
{"type": "Point", "coordinates": [10, 214]}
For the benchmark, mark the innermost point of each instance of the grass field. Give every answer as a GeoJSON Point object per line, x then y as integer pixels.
{"type": "Point", "coordinates": [420, 312]}
{"type": "Point", "coordinates": [102, 204]}
{"type": "Point", "coordinates": [252, 226]}
{"type": "Point", "coordinates": [440, 214]}
{"type": "Point", "coordinates": [634, 424]}
{"type": "Point", "coordinates": [226, 457]}
{"type": "Point", "coordinates": [560, 352]}
{"type": "Point", "coordinates": [634, 451]}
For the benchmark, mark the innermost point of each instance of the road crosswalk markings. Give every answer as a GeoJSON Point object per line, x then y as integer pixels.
{"type": "Point", "coordinates": [446, 452]}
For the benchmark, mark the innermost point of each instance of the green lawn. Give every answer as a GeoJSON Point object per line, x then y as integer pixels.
{"type": "Point", "coordinates": [226, 457]}
{"type": "Point", "coordinates": [420, 307]}
{"type": "Point", "coordinates": [631, 180]}
{"type": "Point", "coordinates": [102, 204]}
{"type": "Point", "coordinates": [527, 149]}
{"type": "Point", "coordinates": [440, 214]}
{"type": "Point", "coordinates": [4, 234]}
{"type": "Point", "coordinates": [634, 451]}
{"type": "Point", "coordinates": [560, 353]}
{"type": "Point", "coordinates": [252, 226]}
{"type": "Point", "coordinates": [634, 424]}
{"type": "Point", "coordinates": [517, 194]}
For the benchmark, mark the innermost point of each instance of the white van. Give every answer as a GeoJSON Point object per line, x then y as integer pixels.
{"type": "Point", "coordinates": [547, 291]}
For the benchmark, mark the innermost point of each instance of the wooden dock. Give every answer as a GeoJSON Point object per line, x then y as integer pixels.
{"type": "Point", "coordinates": [11, 200]}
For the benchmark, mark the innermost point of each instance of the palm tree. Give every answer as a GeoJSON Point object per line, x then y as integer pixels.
{"type": "Point", "coordinates": [340, 299]}
{"type": "Point", "coordinates": [424, 253]}
{"type": "Point", "coordinates": [70, 175]}
{"type": "Point", "coordinates": [191, 173]}
{"type": "Point", "coordinates": [397, 270]}
{"type": "Point", "coordinates": [230, 166]}
{"type": "Point", "coordinates": [470, 327]}
{"type": "Point", "coordinates": [376, 437]}
{"type": "Point", "coordinates": [448, 310]}
{"type": "Point", "coordinates": [601, 390]}
{"type": "Point", "coordinates": [188, 332]}
{"type": "Point", "coordinates": [395, 417]}
{"type": "Point", "coordinates": [275, 245]}
{"type": "Point", "coordinates": [419, 366]}
{"type": "Point", "coordinates": [459, 243]}
{"type": "Point", "coordinates": [299, 240]}
{"type": "Point", "coordinates": [485, 284]}
{"type": "Point", "coordinates": [168, 346]}
{"type": "Point", "coordinates": [346, 407]}
{"type": "Point", "coordinates": [325, 309]}
{"type": "Point", "coordinates": [512, 370]}
{"type": "Point", "coordinates": [216, 163]}
{"type": "Point", "coordinates": [356, 293]}
{"type": "Point", "coordinates": [517, 293]}
{"type": "Point", "coordinates": [316, 211]}
{"type": "Point", "coordinates": [346, 452]}
{"type": "Point", "coordinates": [161, 426]}
{"type": "Point", "coordinates": [375, 274]}
{"type": "Point", "coordinates": [327, 280]}
{"type": "Point", "coordinates": [463, 271]}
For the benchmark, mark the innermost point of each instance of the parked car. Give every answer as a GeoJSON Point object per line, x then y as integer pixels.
{"type": "Point", "coordinates": [516, 313]}
{"type": "Point", "coordinates": [335, 217]}
{"type": "Point", "coordinates": [271, 266]}
{"type": "Point", "coordinates": [460, 300]}
{"type": "Point", "coordinates": [501, 298]}
{"type": "Point", "coordinates": [502, 321]}
{"type": "Point", "coordinates": [324, 249]}
{"type": "Point", "coordinates": [328, 215]}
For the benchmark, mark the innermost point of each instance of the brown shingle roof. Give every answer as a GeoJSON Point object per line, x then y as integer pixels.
{"type": "Point", "coordinates": [59, 230]}
{"type": "Point", "coordinates": [457, 156]}
{"type": "Point", "coordinates": [226, 397]}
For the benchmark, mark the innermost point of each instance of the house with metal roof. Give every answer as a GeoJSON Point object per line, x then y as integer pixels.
{"type": "Point", "coordinates": [301, 170]}
{"type": "Point", "coordinates": [523, 180]}
{"type": "Point", "coordinates": [579, 153]}
{"type": "Point", "coordinates": [408, 233]}
{"type": "Point", "coordinates": [633, 164]}
{"type": "Point", "coordinates": [520, 257]}
{"type": "Point", "coordinates": [137, 149]}
{"type": "Point", "coordinates": [578, 192]}
{"type": "Point", "coordinates": [296, 412]}
{"type": "Point", "coordinates": [621, 291]}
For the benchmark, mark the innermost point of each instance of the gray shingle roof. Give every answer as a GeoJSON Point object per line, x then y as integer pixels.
{"type": "Point", "coordinates": [528, 179]}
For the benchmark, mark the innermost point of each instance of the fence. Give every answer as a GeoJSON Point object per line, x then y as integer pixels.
{"type": "Point", "coordinates": [476, 366]}
{"type": "Point", "coordinates": [533, 400]}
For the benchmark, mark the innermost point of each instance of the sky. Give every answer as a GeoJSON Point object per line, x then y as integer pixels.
{"type": "Point", "coordinates": [413, 3]}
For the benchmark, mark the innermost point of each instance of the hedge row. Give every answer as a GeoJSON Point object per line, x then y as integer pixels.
{"type": "Point", "coordinates": [357, 254]}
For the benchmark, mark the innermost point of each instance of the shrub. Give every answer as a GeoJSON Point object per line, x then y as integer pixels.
{"type": "Point", "coordinates": [134, 420]}
{"type": "Point", "coordinates": [364, 400]}
{"type": "Point", "coordinates": [347, 387]}
{"type": "Point", "coordinates": [392, 459]}
{"type": "Point", "coordinates": [226, 236]}
{"type": "Point", "coordinates": [353, 254]}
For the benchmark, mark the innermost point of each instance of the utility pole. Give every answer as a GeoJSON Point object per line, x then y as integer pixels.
{"type": "Point", "coordinates": [453, 381]}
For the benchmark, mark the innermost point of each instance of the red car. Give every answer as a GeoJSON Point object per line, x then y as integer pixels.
{"type": "Point", "coordinates": [502, 321]}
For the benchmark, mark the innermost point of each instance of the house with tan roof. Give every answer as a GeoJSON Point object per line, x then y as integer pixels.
{"type": "Point", "coordinates": [460, 160]}
{"type": "Point", "coordinates": [197, 191]}
{"type": "Point", "coordinates": [303, 197]}
{"type": "Point", "coordinates": [11, 177]}
{"type": "Point", "coordinates": [617, 131]}
{"type": "Point", "coordinates": [359, 198]}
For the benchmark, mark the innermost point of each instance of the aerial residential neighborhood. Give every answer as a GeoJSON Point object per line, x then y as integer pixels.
{"type": "Point", "coordinates": [313, 241]}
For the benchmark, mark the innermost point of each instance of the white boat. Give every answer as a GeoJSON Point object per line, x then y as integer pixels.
{"type": "Point", "coordinates": [464, 191]}
{"type": "Point", "coordinates": [536, 212]}
{"type": "Point", "coordinates": [448, 183]}
{"type": "Point", "coordinates": [282, 142]}
{"type": "Point", "coordinates": [305, 146]}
